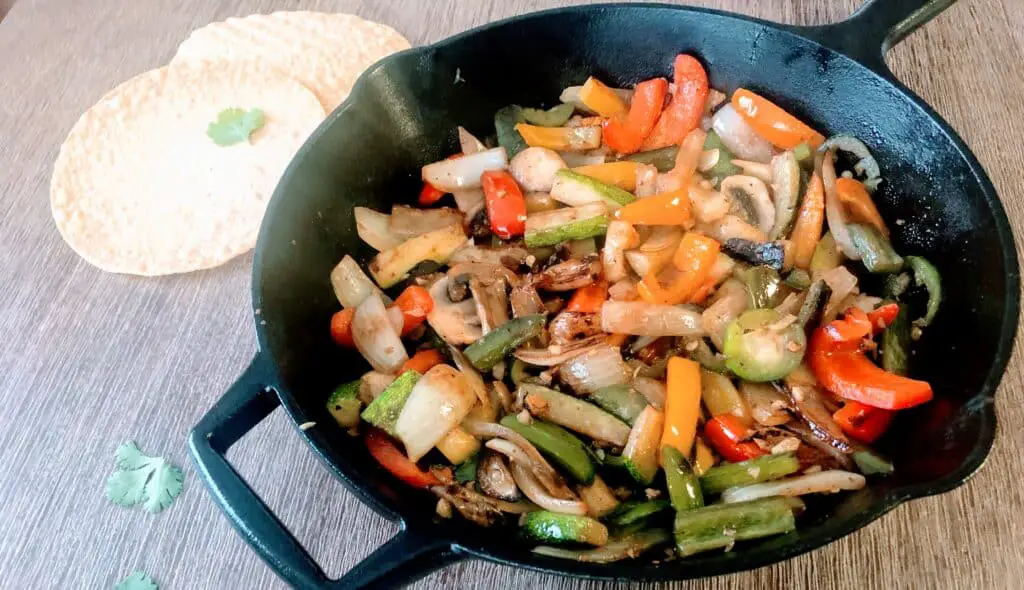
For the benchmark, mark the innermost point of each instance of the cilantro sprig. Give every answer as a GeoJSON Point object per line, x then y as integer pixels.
{"type": "Point", "coordinates": [140, 479]}
{"type": "Point", "coordinates": [235, 125]}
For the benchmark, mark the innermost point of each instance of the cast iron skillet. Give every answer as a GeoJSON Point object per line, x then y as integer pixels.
{"type": "Point", "coordinates": [402, 114]}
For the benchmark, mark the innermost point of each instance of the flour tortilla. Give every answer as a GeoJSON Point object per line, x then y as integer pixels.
{"type": "Point", "coordinates": [326, 52]}
{"type": "Point", "coordinates": [139, 187]}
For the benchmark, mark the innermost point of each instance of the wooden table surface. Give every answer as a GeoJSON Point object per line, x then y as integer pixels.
{"type": "Point", "coordinates": [88, 360]}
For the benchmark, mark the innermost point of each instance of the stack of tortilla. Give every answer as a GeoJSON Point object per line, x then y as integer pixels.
{"type": "Point", "coordinates": [139, 187]}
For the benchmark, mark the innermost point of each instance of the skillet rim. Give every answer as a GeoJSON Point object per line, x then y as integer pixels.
{"type": "Point", "coordinates": [696, 567]}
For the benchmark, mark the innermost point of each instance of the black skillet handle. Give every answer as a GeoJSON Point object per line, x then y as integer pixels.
{"type": "Point", "coordinates": [405, 558]}
{"type": "Point", "coordinates": [875, 27]}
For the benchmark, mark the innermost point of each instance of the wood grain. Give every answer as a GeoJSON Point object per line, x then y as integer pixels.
{"type": "Point", "coordinates": [88, 360]}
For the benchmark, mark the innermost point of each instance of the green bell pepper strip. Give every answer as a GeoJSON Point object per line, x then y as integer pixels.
{"type": "Point", "coordinates": [505, 121]}
{"type": "Point", "coordinates": [558, 444]}
{"type": "Point", "coordinates": [632, 512]}
{"type": "Point", "coordinates": [925, 274]}
{"type": "Point", "coordinates": [896, 344]}
{"type": "Point", "coordinates": [664, 159]}
{"type": "Point", "coordinates": [498, 343]}
{"type": "Point", "coordinates": [721, 525]}
{"type": "Point", "coordinates": [556, 116]}
{"type": "Point", "coordinates": [875, 250]}
{"type": "Point", "coordinates": [683, 485]}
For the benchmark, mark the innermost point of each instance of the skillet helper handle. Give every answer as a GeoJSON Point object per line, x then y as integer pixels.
{"type": "Point", "coordinates": [878, 25]}
{"type": "Point", "coordinates": [405, 558]}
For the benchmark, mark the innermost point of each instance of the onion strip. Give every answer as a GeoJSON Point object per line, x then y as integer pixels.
{"type": "Point", "coordinates": [834, 209]}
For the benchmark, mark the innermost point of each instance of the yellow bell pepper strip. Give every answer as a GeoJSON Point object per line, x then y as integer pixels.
{"type": "Point", "coordinates": [771, 122]}
{"type": "Point", "coordinates": [858, 203]}
{"type": "Point", "coordinates": [694, 257]}
{"type": "Point", "coordinates": [668, 208]}
{"type": "Point", "coordinates": [621, 174]}
{"type": "Point", "coordinates": [703, 458]}
{"type": "Point", "coordinates": [686, 108]}
{"type": "Point", "coordinates": [809, 222]}
{"type": "Point", "coordinates": [682, 404]}
{"type": "Point", "coordinates": [626, 134]}
{"type": "Point", "coordinates": [602, 99]}
{"type": "Point", "coordinates": [560, 138]}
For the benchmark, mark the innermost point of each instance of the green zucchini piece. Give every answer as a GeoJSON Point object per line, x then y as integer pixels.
{"type": "Point", "coordinates": [927, 275]}
{"type": "Point", "coordinates": [786, 186]}
{"type": "Point", "coordinates": [558, 444]}
{"type": "Point", "coordinates": [870, 463]}
{"type": "Point", "coordinates": [505, 121]}
{"type": "Point", "coordinates": [552, 527]}
{"type": "Point", "coordinates": [896, 344]}
{"type": "Point", "coordinates": [622, 401]}
{"type": "Point", "coordinates": [826, 255]}
{"type": "Point", "coordinates": [556, 116]}
{"type": "Point", "coordinates": [756, 350]}
{"type": "Point", "coordinates": [664, 159]}
{"type": "Point", "coordinates": [575, 189]}
{"type": "Point", "coordinates": [721, 525]}
{"type": "Point", "coordinates": [383, 411]}
{"type": "Point", "coordinates": [637, 511]}
{"type": "Point", "coordinates": [683, 485]}
{"type": "Point", "coordinates": [575, 414]}
{"type": "Point", "coordinates": [641, 451]}
{"type": "Point", "coordinates": [875, 250]}
{"type": "Point", "coordinates": [562, 225]}
{"type": "Point", "coordinates": [498, 343]}
{"type": "Point", "coordinates": [798, 279]}
{"type": "Point", "coordinates": [765, 468]}
{"type": "Point", "coordinates": [814, 303]}
{"type": "Point", "coordinates": [344, 404]}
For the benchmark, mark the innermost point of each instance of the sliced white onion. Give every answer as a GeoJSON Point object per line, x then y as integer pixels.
{"type": "Point", "coordinates": [619, 237]}
{"type": "Point", "coordinates": [758, 170]}
{"type": "Point", "coordinates": [601, 367]}
{"type": "Point", "coordinates": [649, 319]}
{"type": "Point", "coordinates": [374, 384]}
{"type": "Point", "coordinates": [655, 252]}
{"type": "Point", "coordinates": [533, 490]}
{"type": "Point", "coordinates": [740, 137]}
{"type": "Point", "coordinates": [396, 317]}
{"type": "Point", "coordinates": [374, 228]}
{"type": "Point", "coordinates": [464, 172]}
{"type": "Point", "coordinates": [585, 418]}
{"type": "Point", "coordinates": [409, 222]}
{"type": "Point", "coordinates": [476, 381]}
{"type": "Point", "coordinates": [653, 390]}
{"type": "Point", "coordinates": [534, 168]}
{"type": "Point", "coordinates": [732, 300]}
{"type": "Point", "coordinates": [825, 482]}
{"type": "Point", "coordinates": [376, 338]}
{"type": "Point", "coordinates": [767, 404]}
{"type": "Point", "coordinates": [646, 181]}
{"type": "Point", "coordinates": [843, 283]}
{"type": "Point", "coordinates": [470, 201]}
{"type": "Point", "coordinates": [351, 285]}
{"type": "Point", "coordinates": [438, 403]}
{"type": "Point", "coordinates": [557, 354]}
{"type": "Point", "coordinates": [469, 143]}
{"type": "Point", "coordinates": [493, 430]}
{"type": "Point", "coordinates": [834, 209]}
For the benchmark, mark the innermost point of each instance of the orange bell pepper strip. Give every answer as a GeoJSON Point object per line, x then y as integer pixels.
{"type": "Point", "coordinates": [850, 375]}
{"type": "Point", "coordinates": [857, 201]}
{"type": "Point", "coordinates": [694, 258]}
{"type": "Point", "coordinates": [686, 108]}
{"type": "Point", "coordinates": [423, 361]}
{"type": "Point", "coordinates": [773, 123]}
{"type": "Point", "coordinates": [809, 223]}
{"type": "Point", "coordinates": [602, 99]}
{"type": "Point", "coordinates": [626, 134]}
{"type": "Point", "coordinates": [341, 328]}
{"type": "Point", "coordinates": [621, 174]}
{"type": "Point", "coordinates": [506, 205]}
{"type": "Point", "coordinates": [394, 460]}
{"type": "Point", "coordinates": [416, 304]}
{"type": "Point", "coordinates": [729, 437]}
{"type": "Point", "coordinates": [669, 208]}
{"type": "Point", "coordinates": [861, 422]}
{"type": "Point", "coordinates": [589, 299]}
{"type": "Point", "coordinates": [682, 404]}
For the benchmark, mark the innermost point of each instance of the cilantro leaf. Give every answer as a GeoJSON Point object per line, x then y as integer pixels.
{"type": "Point", "coordinates": [235, 126]}
{"type": "Point", "coordinates": [151, 481]}
{"type": "Point", "coordinates": [137, 581]}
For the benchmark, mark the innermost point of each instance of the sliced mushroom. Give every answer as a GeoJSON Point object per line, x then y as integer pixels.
{"type": "Point", "coordinates": [810, 406]}
{"type": "Point", "coordinates": [491, 302]}
{"type": "Point", "coordinates": [557, 354]}
{"type": "Point", "coordinates": [508, 256]}
{"type": "Point", "coordinates": [458, 287]}
{"type": "Point", "coordinates": [756, 169]}
{"type": "Point", "coordinates": [495, 478]}
{"type": "Point", "coordinates": [486, 272]}
{"type": "Point", "coordinates": [570, 326]}
{"type": "Point", "coordinates": [455, 323]}
{"type": "Point", "coordinates": [408, 222]}
{"type": "Point", "coordinates": [786, 187]}
{"type": "Point", "coordinates": [569, 275]}
{"type": "Point", "coordinates": [526, 301]}
{"type": "Point", "coordinates": [750, 200]}
{"type": "Point", "coordinates": [534, 168]}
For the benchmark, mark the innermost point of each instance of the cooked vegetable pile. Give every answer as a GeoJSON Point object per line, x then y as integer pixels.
{"type": "Point", "coordinates": [642, 322]}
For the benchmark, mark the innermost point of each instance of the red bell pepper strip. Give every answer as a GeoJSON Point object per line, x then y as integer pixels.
{"type": "Point", "coordinates": [683, 113]}
{"type": "Point", "coordinates": [852, 376]}
{"type": "Point", "coordinates": [882, 317]}
{"type": "Point", "coordinates": [626, 135]}
{"type": "Point", "coordinates": [861, 422]}
{"type": "Point", "coordinates": [341, 328]}
{"type": "Point", "coordinates": [727, 435]}
{"type": "Point", "coordinates": [430, 194]}
{"type": "Point", "coordinates": [506, 205]}
{"type": "Point", "coordinates": [415, 303]}
{"type": "Point", "coordinates": [394, 460]}
{"type": "Point", "coordinates": [589, 299]}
